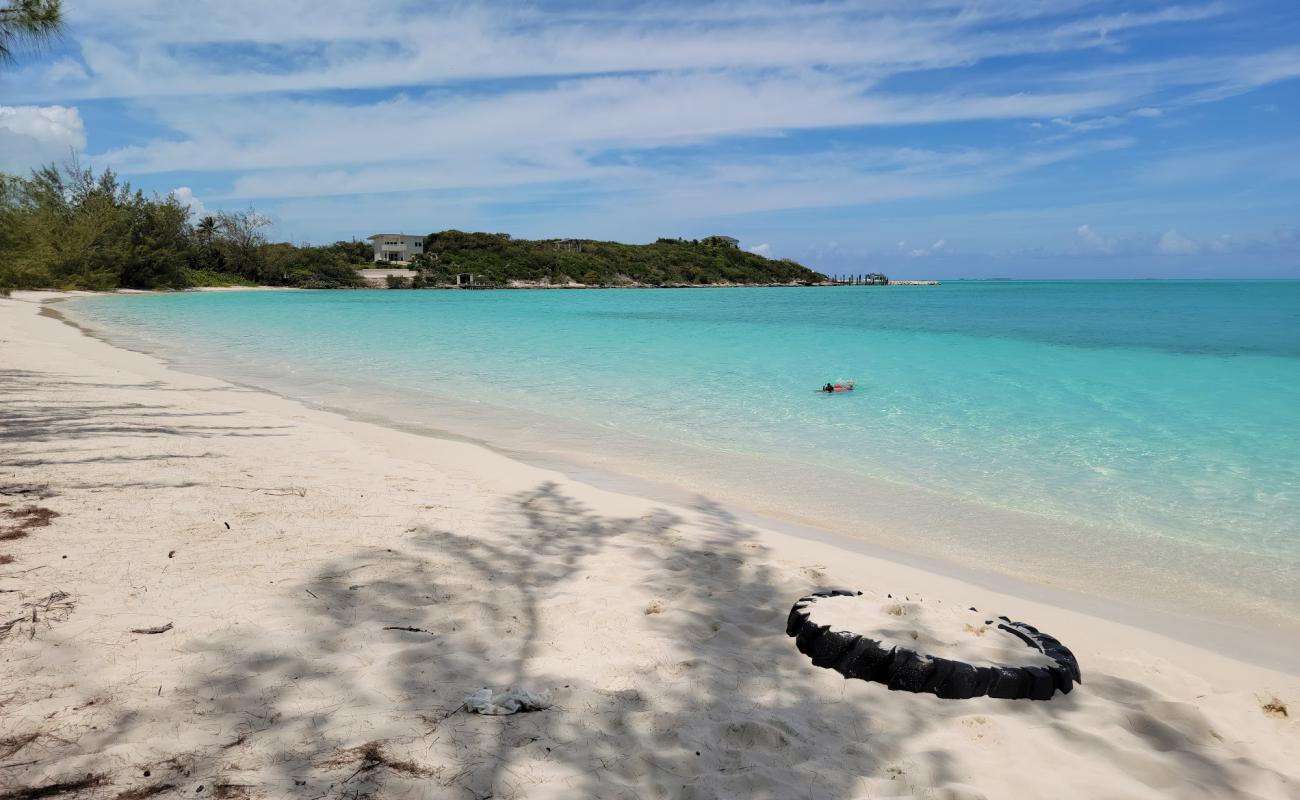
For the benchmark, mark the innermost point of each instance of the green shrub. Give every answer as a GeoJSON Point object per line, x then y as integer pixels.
{"type": "Point", "coordinates": [206, 278]}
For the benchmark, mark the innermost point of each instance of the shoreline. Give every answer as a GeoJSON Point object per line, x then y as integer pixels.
{"type": "Point", "coordinates": [1266, 639]}
{"type": "Point", "coordinates": [282, 539]}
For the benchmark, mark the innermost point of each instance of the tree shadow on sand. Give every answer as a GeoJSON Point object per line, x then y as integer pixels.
{"type": "Point", "coordinates": [661, 637]}
{"type": "Point", "coordinates": [25, 420]}
{"type": "Point", "coordinates": [366, 700]}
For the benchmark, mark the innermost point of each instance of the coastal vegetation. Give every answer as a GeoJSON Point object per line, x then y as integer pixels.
{"type": "Point", "coordinates": [67, 227]}
{"type": "Point", "coordinates": [498, 258]}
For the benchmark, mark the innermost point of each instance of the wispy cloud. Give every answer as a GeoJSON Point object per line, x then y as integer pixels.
{"type": "Point", "coordinates": [612, 111]}
{"type": "Point", "coordinates": [1173, 243]}
{"type": "Point", "coordinates": [935, 247]}
{"type": "Point", "coordinates": [138, 48]}
{"type": "Point", "coordinates": [645, 116]}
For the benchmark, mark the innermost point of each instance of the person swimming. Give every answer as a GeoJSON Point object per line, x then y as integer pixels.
{"type": "Point", "coordinates": [829, 388]}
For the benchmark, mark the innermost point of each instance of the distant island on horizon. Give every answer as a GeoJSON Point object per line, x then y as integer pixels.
{"type": "Point", "coordinates": [454, 258]}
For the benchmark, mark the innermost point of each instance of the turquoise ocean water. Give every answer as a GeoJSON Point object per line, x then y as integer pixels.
{"type": "Point", "coordinates": [1132, 436]}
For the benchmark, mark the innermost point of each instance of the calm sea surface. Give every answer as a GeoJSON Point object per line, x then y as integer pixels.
{"type": "Point", "coordinates": [1109, 423]}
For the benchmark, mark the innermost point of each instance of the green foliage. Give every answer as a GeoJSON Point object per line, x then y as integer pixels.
{"type": "Point", "coordinates": [397, 282]}
{"type": "Point", "coordinates": [28, 23]}
{"type": "Point", "coordinates": [496, 258]}
{"type": "Point", "coordinates": [68, 228]}
{"type": "Point", "coordinates": [354, 252]}
{"type": "Point", "coordinates": [283, 264]}
{"type": "Point", "coordinates": [238, 245]}
{"type": "Point", "coordinates": [206, 278]}
{"type": "Point", "coordinates": [161, 245]}
{"type": "Point", "coordinates": [432, 272]}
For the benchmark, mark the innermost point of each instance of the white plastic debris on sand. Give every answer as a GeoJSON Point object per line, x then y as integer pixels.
{"type": "Point", "coordinates": [511, 701]}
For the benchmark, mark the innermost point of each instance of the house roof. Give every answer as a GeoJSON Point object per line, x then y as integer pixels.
{"type": "Point", "coordinates": [399, 235]}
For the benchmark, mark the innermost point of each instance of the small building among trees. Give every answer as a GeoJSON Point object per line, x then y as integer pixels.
{"type": "Point", "coordinates": [397, 248]}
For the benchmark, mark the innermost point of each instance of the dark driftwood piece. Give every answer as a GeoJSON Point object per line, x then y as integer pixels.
{"type": "Point", "coordinates": [898, 668]}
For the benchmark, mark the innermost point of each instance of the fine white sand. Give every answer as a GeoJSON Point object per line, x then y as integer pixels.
{"type": "Point", "coordinates": [335, 590]}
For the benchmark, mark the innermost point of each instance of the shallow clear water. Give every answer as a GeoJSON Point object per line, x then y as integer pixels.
{"type": "Point", "coordinates": [1159, 412]}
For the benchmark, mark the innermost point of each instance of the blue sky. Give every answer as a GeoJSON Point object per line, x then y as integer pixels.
{"type": "Point", "coordinates": [944, 138]}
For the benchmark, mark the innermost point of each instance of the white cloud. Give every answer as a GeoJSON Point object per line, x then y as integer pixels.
{"type": "Point", "coordinates": [185, 196]}
{"type": "Point", "coordinates": [66, 70]}
{"type": "Point", "coordinates": [585, 103]}
{"type": "Point", "coordinates": [1252, 72]}
{"type": "Point", "coordinates": [1224, 243]}
{"type": "Point", "coordinates": [624, 111]}
{"type": "Point", "coordinates": [1200, 78]}
{"type": "Point", "coordinates": [1089, 124]}
{"type": "Point", "coordinates": [1094, 124]}
{"type": "Point", "coordinates": [1103, 26]}
{"type": "Point", "coordinates": [143, 48]}
{"type": "Point", "coordinates": [1173, 243]}
{"type": "Point", "coordinates": [764, 250]}
{"type": "Point", "coordinates": [31, 136]}
{"type": "Point", "coordinates": [1093, 240]}
{"type": "Point", "coordinates": [705, 184]}
{"type": "Point", "coordinates": [1143, 243]}
{"type": "Point", "coordinates": [922, 252]}
{"type": "Point", "coordinates": [556, 138]}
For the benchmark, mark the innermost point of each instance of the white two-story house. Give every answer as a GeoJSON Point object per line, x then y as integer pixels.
{"type": "Point", "coordinates": [396, 247]}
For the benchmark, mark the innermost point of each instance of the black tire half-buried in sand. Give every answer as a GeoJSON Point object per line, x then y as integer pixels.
{"type": "Point", "coordinates": [901, 668]}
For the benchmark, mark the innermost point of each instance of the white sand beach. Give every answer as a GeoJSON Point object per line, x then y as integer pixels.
{"type": "Point", "coordinates": [335, 589]}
